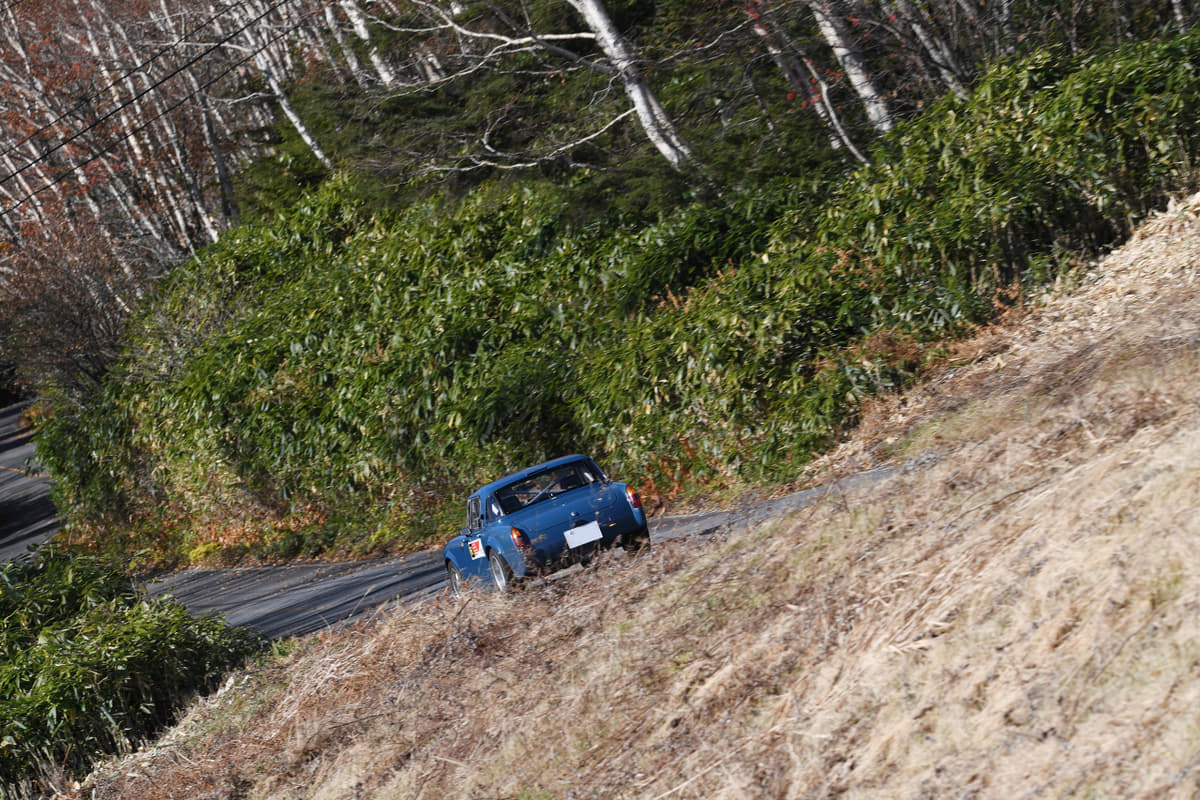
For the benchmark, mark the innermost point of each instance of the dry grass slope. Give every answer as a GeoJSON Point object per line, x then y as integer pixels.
{"type": "Point", "coordinates": [1019, 615]}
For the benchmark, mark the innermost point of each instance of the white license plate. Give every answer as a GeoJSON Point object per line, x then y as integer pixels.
{"type": "Point", "coordinates": [583, 534]}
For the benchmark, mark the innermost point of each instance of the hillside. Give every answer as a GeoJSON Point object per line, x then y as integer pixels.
{"type": "Point", "coordinates": [329, 379]}
{"type": "Point", "coordinates": [1013, 612]}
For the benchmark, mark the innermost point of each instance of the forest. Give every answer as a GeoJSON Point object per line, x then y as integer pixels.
{"type": "Point", "coordinates": [289, 277]}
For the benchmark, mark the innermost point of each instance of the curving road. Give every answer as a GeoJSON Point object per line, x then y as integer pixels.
{"type": "Point", "coordinates": [296, 599]}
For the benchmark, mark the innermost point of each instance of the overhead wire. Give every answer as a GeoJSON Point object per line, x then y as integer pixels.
{"type": "Point", "coordinates": [100, 152]}
{"type": "Point", "coordinates": [140, 94]}
{"type": "Point", "coordinates": [12, 4]}
{"type": "Point", "coordinates": [99, 92]}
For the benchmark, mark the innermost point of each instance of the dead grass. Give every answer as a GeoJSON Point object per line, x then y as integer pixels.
{"type": "Point", "coordinates": [1019, 615]}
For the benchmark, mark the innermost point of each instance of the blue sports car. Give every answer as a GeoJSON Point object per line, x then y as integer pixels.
{"type": "Point", "coordinates": [541, 518]}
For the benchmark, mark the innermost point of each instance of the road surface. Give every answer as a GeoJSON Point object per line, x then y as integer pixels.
{"type": "Point", "coordinates": [27, 517]}
{"type": "Point", "coordinates": [296, 599]}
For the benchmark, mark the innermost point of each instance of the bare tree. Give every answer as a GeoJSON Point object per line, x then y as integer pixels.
{"type": "Point", "coordinates": [122, 124]}
{"type": "Point", "coordinates": [359, 22]}
{"type": "Point", "coordinates": [344, 46]}
{"type": "Point", "coordinates": [1182, 17]}
{"type": "Point", "coordinates": [464, 49]}
{"type": "Point", "coordinates": [272, 60]}
{"type": "Point", "coordinates": [904, 14]}
{"type": "Point", "coordinates": [64, 305]}
{"type": "Point", "coordinates": [109, 127]}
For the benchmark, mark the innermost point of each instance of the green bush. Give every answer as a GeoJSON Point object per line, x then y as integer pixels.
{"type": "Point", "coordinates": [88, 666]}
{"type": "Point", "coordinates": [1050, 160]}
{"type": "Point", "coordinates": [368, 367]}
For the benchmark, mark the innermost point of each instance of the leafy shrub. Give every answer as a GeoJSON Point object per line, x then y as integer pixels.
{"type": "Point", "coordinates": [88, 666]}
{"type": "Point", "coordinates": [371, 366]}
{"type": "Point", "coordinates": [1050, 160]}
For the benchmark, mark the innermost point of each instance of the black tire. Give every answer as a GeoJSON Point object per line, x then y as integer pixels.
{"type": "Point", "coordinates": [632, 542]}
{"type": "Point", "coordinates": [502, 574]}
{"type": "Point", "coordinates": [458, 584]}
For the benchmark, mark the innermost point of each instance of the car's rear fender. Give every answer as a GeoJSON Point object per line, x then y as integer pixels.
{"type": "Point", "coordinates": [517, 561]}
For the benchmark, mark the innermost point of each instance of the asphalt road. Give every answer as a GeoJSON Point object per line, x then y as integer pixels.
{"type": "Point", "coordinates": [27, 517]}
{"type": "Point", "coordinates": [296, 599]}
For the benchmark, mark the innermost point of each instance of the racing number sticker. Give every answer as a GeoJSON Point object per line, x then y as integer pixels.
{"type": "Point", "coordinates": [476, 548]}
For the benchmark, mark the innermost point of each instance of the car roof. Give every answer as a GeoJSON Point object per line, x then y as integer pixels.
{"type": "Point", "coordinates": [515, 476]}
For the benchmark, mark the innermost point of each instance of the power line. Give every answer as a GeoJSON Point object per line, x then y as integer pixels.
{"type": "Point", "coordinates": [13, 4]}
{"type": "Point", "coordinates": [99, 92]}
{"type": "Point", "coordinates": [137, 129]}
{"type": "Point", "coordinates": [137, 96]}
{"type": "Point", "coordinates": [120, 107]}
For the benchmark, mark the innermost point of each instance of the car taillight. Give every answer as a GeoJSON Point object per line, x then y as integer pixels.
{"type": "Point", "coordinates": [519, 539]}
{"type": "Point", "coordinates": [634, 500]}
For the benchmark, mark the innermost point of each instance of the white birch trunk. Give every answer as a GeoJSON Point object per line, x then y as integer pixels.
{"type": "Point", "coordinates": [1180, 15]}
{"type": "Point", "coordinates": [229, 207]}
{"type": "Point", "coordinates": [947, 66]}
{"type": "Point", "coordinates": [290, 112]}
{"type": "Point", "coordinates": [126, 268]}
{"type": "Point", "coordinates": [212, 227]}
{"type": "Point", "coordinates": [18, 47]}
{"type": "Point", "coordinates": [24, 193]}
{"type": "Point", "coordinates": [359, 23]}
{"type": "Point", "coordinates": [177, 186]}
{"type": "Point", "coordinates": [852, 64]}
{"type": "Point", "coordinates": [267, 63]}
{"type": "Point", "coordinates": [348, 56]}
{"type": "Point", "coordinates": [787, 56]}
{"type": "Point", "coordinates": [138, 219]}
{"type": "Point", "coordinates": [429, 66]}
{"type": "Point", "coordinates": [654, 120]}
{"type": "Point", "coordinates": [1008, 33]}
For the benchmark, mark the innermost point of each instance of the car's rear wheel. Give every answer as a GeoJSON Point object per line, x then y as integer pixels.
{"type": "Point", "coordinates": [632, 542]}
{"type": "Point", "coordinates": [458, 584]}
{"type": "Point", "coordinates": [502, 574]}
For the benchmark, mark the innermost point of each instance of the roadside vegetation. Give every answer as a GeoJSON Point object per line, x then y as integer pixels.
{"type": "Point", "coordinates": [331, 379]}
{"type": "Point", "coordinates": [88, 666]}
{"type": "Point", "coordinates": [1015, 615]}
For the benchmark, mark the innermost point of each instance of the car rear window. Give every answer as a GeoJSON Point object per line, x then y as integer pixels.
{"type": "Point", "coordinates": [545, 484]}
